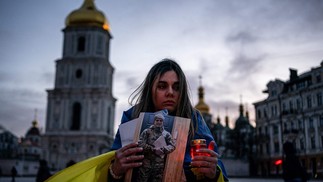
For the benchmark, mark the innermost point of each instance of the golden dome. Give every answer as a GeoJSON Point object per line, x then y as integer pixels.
{"type": "Point", "coordinates": [87, 15]}
{"type": "Point", "coordinates": [201, 105]}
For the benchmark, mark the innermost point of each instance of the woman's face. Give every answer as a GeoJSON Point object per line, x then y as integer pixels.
{"type": "Point", "coordinates": [165, 92]}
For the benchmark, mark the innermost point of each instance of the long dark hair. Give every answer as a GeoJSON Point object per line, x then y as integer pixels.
{"type": "Point", "coordinates": [141, 98]}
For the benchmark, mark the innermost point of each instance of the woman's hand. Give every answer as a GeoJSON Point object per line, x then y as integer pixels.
{"type": "Point", "coordinates": [206, 164]}
{"type": "Point", "coordinates": [126, 158]}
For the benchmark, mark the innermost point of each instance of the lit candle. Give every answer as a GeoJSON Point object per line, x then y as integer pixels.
{"type": "Point", "coordinates": [198, 144]}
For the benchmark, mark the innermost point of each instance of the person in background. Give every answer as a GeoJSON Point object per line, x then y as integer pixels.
{"type": "Point", "coordinates": [43, 171]}
{"type": "Point", "coordinates": [0, 172]}
{"type": "Point", "coordinates": [292, 168]}
{"type": "Point", "coordinates": [13, 173]}
{"type": "Point", "coordinates": [70, 163]}
{"type": "Point", "coordinates": [166, 87]}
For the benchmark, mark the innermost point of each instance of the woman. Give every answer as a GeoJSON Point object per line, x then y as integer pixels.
{"type": "Point", "coordinates": [165, 87]}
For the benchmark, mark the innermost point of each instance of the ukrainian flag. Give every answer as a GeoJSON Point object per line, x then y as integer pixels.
{"type": "Point", "coordinates": [92, 169]}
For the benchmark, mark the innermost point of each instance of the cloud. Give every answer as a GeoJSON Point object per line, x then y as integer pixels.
{"type": "Point", "coordinates": [18, 106]}
{"type": "Point", "coordinates": [242, 38]}
{"type": "Point", "coordinates": [247, 55]}
{"type": "Point", "coordinates": [243, 67]}
{"type": "Point", "coordinates": [26, 97]}
{"type": "Point", "coordinates": [47, 77]}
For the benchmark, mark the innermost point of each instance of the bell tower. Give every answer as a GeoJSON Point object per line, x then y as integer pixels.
{"type": "Point", "coordinates": [81, 107]}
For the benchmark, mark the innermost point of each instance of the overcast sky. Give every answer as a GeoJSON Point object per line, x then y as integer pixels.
{"type": "Point", "coordinates": [236, 46]}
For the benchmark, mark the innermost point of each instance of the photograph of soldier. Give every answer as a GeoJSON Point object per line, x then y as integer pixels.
{"type": "Point", "coordinates": [156, 143]}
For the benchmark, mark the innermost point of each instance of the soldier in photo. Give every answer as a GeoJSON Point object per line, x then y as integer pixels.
{"type": "Point", "coordinates": [156, 143]}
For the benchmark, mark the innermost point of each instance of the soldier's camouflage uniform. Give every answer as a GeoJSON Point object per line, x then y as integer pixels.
{"type": "Point", "coordinates": [152, 168]}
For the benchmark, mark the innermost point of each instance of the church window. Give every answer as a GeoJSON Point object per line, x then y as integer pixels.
{"type": "Point", "coordinates": [78, 73]}
{"type": "Point", "coordinates": [81, 44]}
{"type": "Point", "coordinates": [284, 108]}
{"type": "Point", "coordinates": [76, 117]}
{"type": "Point", "coordinates": [276, 147]}
{"type": "Point", "coordinates": [313, 142]}
{"type": "Point", "coordinates": [267, 149]}
{"type": "Point", "coordinates": [298, 103]}
{"type": "Point", "coordinates": [321, 121]}
{"type": "Point", "coordinates": [311, 123]}
{"type": "Point", "coordinates": [318, 78]}
{"type": "Point", "coordinates": [285, 127]}
{"type": "Point", "coordinates": [94, 121]}
{"type": "Point", "coordinates": [275, 129]}
{"type": "Point", "coordinates": [309, 101]}
{"type": "Point", "coordinates": [300, 124]}
{"type": "Point", "coordinates": [301, 143]}
{"type": "Point", "coordinates": [319, 99]}
{"type": "Point", "coordinates": [99, 44]}
{"type": "Point", "coordinates": [291, 106]}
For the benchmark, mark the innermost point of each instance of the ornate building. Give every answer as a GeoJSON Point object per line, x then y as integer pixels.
{"type": "Point", "coordinates": [30, 146]}
{"type": "Point", "coordinates": [242, 135]}
{"type": "Point", "coordinates": [8, 144]}
{"type": "Point", "coordinates": [221, 134]}
{"type": "Point", "coordinates": [293, 111]}
{"type": "Point", "coordinates": [203, 107]}
{"type": "Point", "coordinates": [235, 145]}
{"type": "Point", "coordinates": [22, 153]}
{"type": "Point", "coordinates": [226, 138]}
{"type": "Point", "coordinates": [81, 107]}
{"type": "Point", "coordinates": [30, 150]}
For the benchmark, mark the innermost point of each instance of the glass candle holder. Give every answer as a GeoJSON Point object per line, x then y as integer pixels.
{"type": "Point", "coordinates": [196, 145]}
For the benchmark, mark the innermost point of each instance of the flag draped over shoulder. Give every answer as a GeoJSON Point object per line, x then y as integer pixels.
{"type": "Point", "coordinates": [92, 169]}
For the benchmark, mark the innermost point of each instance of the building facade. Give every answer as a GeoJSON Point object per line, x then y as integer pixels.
{"type": "Point", "coordinates": [293, 111]}
{"type": "Point", "coordinates": [8, 144]}
{"type": "Point", "coordinates": [81, 107]}
{"type": "Point", "coordinates": [21, 153]}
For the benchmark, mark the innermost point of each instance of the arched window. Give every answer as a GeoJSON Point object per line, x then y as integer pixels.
{"type": "Point", "coordinates": [78, 73]}
{"type": "Point", "coordinates": [76, 117]}
{"type": "Point", "coordinates": [81, 44]}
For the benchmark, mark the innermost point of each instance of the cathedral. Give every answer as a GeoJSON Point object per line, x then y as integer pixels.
{"type": "Point", "coordinates": [81, 106]}
{"type": "Point", "coordinates": [236, 146]}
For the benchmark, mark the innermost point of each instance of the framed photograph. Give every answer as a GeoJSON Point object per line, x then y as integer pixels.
{"type": "Point", "coordinates": [176, 127]}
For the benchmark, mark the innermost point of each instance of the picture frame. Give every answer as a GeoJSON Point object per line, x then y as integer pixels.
{"type": "Point", "coordinates": [179, 129]}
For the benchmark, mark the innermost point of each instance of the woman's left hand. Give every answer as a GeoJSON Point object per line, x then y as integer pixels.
{"type": "Point", "coordinates": [206, 164]}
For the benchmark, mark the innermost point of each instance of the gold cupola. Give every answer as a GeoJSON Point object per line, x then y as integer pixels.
{"type": "Point", "coordinates": [87, 15]}
{"type": "Point", "coordinates": [201, 105]}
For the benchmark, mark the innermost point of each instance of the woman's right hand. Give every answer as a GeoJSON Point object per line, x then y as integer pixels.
{"type": "Point", "coordinates": [126, 158]}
